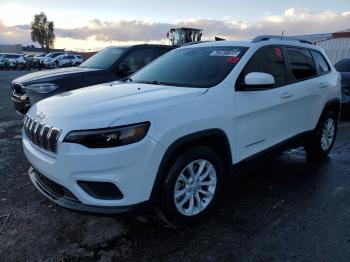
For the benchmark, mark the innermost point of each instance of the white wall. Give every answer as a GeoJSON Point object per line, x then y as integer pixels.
{"type": "Point", "coordinates": [336, 49]}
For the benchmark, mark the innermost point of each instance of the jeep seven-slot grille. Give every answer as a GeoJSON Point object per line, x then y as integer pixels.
{"type": "Point", "coordinates": [41, 135]}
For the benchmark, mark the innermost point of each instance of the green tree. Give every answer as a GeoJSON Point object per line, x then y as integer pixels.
{"type": "Point", "coordinates": [43, 31]}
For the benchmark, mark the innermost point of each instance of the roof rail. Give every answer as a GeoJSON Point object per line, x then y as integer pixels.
{"type": "Point", "coordinates": [288, 38]}
{"type": "Point", "coordinates": [194, 43]}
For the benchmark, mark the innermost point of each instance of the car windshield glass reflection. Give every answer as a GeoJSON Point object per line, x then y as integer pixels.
{"type": "Point", "coordinates": [191, 67]}
{"type": "Point", "coordinates": [104, 59]}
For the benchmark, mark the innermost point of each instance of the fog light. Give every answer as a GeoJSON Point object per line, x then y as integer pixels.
{"type": "Point", "coordinates": [101, 190]}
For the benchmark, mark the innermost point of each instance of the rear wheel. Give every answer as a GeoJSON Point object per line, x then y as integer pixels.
{"type": "Point", "coordinates": [192, 186]}
{"type": "Point", "coordinates": [323, 138]}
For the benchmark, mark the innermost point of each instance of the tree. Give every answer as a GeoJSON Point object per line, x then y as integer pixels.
{"type": "Point", "coordinates": [43, 31]}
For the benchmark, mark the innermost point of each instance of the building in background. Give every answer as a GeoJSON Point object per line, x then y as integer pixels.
{"type": "Point", "coordinates": [33, 50]}
{"type": "Point", "coordinates": [17, 49]}
{"type": "Point", "coordinates": [336, 45]}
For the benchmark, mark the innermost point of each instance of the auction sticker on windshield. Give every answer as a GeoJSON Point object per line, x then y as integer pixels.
{"type": "Point", "coordinates": [225, 53]}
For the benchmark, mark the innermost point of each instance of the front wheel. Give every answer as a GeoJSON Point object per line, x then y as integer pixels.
{"type": "Point", "coordinates": [323, 138]}
{"type": "Point", "coordinates": [192, 186]}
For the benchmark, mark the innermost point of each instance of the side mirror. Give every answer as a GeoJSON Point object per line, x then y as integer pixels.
{"type": "Point", "coordinates": [257, 79]}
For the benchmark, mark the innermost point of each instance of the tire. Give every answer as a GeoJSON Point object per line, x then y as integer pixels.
{"type": "Point", "coordinates": [203, 196]}
{"type": "Point", "coordinates": [323, 138]}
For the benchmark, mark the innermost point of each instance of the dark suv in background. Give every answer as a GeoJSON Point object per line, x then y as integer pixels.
{"type": "Point", "coordinates": [110, 64]}
{"type": "Point", "coordinates": [343, 67]}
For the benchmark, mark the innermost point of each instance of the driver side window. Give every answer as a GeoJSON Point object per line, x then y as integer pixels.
{"type": "Point", "coordinates": [266, 60]}
{"type": "Point", "coordinates": [137, 59]}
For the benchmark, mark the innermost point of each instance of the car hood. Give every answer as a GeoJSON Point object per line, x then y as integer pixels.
{"type": "Point", "coordinates": [100, 105]}
{"type": "Point", "coordinates": [40, 75]}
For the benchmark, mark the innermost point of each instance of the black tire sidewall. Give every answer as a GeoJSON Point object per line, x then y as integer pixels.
{"type": "Point", "coordinates": [167, 204]}
{"type": "Point", "coordinates": [315, 149]}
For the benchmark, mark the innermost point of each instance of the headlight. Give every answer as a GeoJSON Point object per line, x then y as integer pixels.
{"type": "Point", "coordinates": [109, 137]}
{"type": "Point", "coordinates": [41, 88]}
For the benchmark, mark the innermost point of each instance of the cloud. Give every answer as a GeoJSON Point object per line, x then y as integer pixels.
{"type": "Point", "coordinates": [18, 34]}
{"type": "Point", "coordinates": [121, 30]}
{"type": "Point", "coordinates": [294, 21]}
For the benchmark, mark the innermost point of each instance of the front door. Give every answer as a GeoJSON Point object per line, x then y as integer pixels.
{"type": "Point", "coordinates": [264, 115]}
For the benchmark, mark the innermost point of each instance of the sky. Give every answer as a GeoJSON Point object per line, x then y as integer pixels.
{"type": "Point", "coordinates": [92, 25]}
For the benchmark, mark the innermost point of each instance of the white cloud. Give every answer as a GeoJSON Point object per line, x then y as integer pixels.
{"type": "Point", "coordinates": [293, 21]}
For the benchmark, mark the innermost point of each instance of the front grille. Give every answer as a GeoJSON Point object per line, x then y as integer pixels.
{"type": "Point", "coordinates": [43, 136]}
{"type": "Point", "coordinates": [17, 89]}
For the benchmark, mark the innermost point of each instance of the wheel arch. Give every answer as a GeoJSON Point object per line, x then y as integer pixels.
{"type": "Point", "coordinates": [331, 105]}
{"type": "Point", "coordinates": [215, 139]}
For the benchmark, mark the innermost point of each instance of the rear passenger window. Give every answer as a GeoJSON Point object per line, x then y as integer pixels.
{"type": "Point", "coordinates": [301, 63]}
{"type": "Point", "coordinates": [321, 64]}
{"type": "Point", "coordinates": [267, 60]}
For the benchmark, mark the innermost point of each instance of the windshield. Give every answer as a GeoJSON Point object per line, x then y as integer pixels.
{"type": "Point", "coordinates": [105, 58]}
{"type": "Point", "coordinates": [192, 67]}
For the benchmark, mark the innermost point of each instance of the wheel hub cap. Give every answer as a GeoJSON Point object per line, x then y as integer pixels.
{"type": "Point", "coordinates": [328, 134]}
{"type": "Point", "coordinates": [195, 187]}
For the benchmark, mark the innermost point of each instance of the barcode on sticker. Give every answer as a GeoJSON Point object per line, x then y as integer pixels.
{"type": "Point", "coordinates": [225, 53]}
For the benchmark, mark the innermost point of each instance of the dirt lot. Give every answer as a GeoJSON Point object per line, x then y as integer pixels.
{"type": "Point", "coordinates": [285, 210]}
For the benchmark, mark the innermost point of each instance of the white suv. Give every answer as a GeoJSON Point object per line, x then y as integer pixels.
{"type": "Point", "coordinates": [66, 60]}
{"type": "Point", "coordinates": [174, 130]}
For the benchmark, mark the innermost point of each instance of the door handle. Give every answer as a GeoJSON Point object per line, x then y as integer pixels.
{"type": "Point", "coordinates": [286, 95]}
{"type": "Point", "coordinates": [323, 85]}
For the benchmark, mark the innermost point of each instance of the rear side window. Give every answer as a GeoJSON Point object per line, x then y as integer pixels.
{"type": "Point", "coordinates": [321, 64]}
{"type": "Point", "coordinates": [301, 63]}
{"type": "Point", "coordinates": [267, 60]}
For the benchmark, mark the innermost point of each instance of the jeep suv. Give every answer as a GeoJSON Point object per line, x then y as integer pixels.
{"type": "Point", "coordinates": [110, 64]}
{"type": "Point", "coordinates": [174, 130]}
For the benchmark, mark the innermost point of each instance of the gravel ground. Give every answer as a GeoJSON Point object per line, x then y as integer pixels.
{"type": "Point", "coordinates": [284, 210]}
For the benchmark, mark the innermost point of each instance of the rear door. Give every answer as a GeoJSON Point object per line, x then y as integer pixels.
{"type": "Point", "coordinates": [306, 87]}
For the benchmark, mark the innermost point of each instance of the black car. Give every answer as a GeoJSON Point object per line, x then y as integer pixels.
{"type": "Point", "coordinates": [110, 64]}
{"type": "Point", "coordinates": [343, 67]}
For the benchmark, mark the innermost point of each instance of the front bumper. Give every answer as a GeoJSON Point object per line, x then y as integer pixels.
{"type": "Point", "coordinates": [63, 197]}
{"type": "Point", "coordinates": [131, 168]}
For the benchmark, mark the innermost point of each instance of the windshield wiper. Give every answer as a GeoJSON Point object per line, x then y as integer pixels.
{"type": "Point", "coordinates": [154, 82]}
{"type": "Point", "coordinates": [126, 79]}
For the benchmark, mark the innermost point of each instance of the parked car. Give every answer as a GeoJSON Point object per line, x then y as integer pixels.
{"type": "Point", "coordinates": [30, 61]}
{"type": "Point", "coordinates": [171, 133]}
{"type": "Point", "coordinates": [110, 64]}
{"type": "Point", "coordinates": [39, 58]}
{"type": "Point", "coordinates": [14, 61]}
{"type": "Point", "coordinates": [2, 62]}
{"type": "Point", "coordinates": [67, 60]}
{"type": "Point", "coordinates": [48, 60]}
{"type": "Point", "coordinates": [343, 67]}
